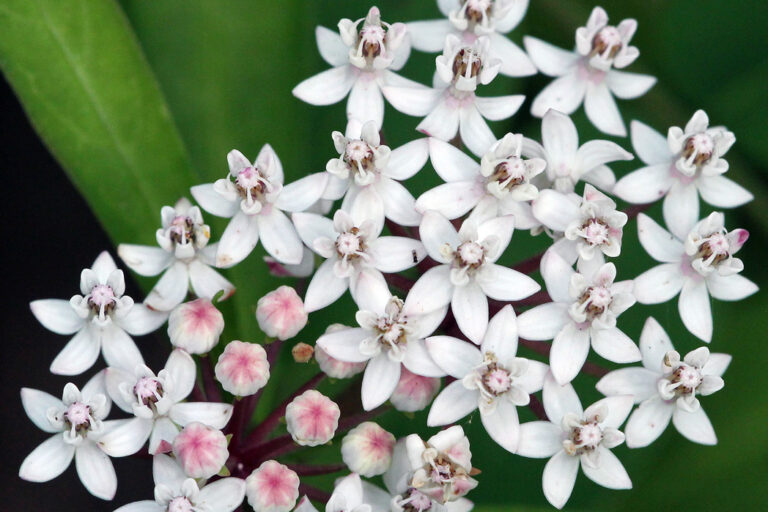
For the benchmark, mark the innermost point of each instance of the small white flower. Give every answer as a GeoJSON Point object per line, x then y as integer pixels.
{"type": "Point", "coordinates": [666, 388]}
{"type": "Point", "coordinates": [684, 165]}
{"type": "Point", "coordinates": [355, 255]}
{"type": "Point", "coordinates": [573, 438]}
{"type": "Point", "coordinates": [155, 401]}
{"type": "Point", "coordinates": [452, 107]}
{"type": "Point", "coordinates": [567, 162]}
{"type": "Point", "coordinates": [362, 54]}
{"type": "Point", "coordinates": [589, 73]}
{"type": "Point", "coordinates": [468, 273]}
{"type": "Point", "coordinates": [472, 18]}
{"type": "Point", "coordinates": [185, 257]}
{"type": "Point", "coordinates": [492, 379]}
{"type": "Point", "coordinates": [175, 492]}
{"type": "Point", "coordinates": [76, 422]}
{"type": "Point", "coordinates": [102, 319]}
{"type": "Point", "coordinates": [702, 265]}
{"type": "Point", "coordinates": [583, 313]}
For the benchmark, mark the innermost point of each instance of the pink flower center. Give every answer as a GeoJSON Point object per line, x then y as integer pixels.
{"type": "Point", "coordinates": [497, 380]}
{"type": "Point", "coordinates": [181, 229]}
{"type": "Point", "coordinates": [180, 504]}
{"type": "Point", "coordinates": [607, 43]}
{"type": "Point", "coordinates": [687, 379]}
{"type": "Point", "coordinates": [471, 254]}
{"type": "Point", "coordinates": [348, 244]}
{"type": "Point", "coordinates": [596, 232]}
{"type": "Point", "coordinates": [102, 296]}
{"type": "Point", "coordinates": [587, 436]}
{"type": "Point", "coordinates": [78, 416]}
{"type": "Point", "coordinates": [698, 148]}
{"type": "Point", "coordinates": [148, 390]}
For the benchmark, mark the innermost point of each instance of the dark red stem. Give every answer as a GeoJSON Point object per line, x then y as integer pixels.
{"type": "Point", "coordinates": [537, 407]}
{"type": "Point", "coordinates": [209, 380]}
{"type": "Point", "coordinates": [314, 493]}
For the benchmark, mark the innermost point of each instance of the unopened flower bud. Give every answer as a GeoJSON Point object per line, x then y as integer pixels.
{"type": "Point", "coordinates": [281, 313]}
{"type": "Point", "coordinates": [195, 326]}
{"type": "Point", "coordinates": [414, 392]}
{"type": "Point", "coordinates": [242, 368]}
{"type": "Point", "coordinates": [302, 353]}
{"type": "Point", "coordinates": [272, 487]}
{"type": "Point", "coordinates": [333, 367]}
{"type": "Point", "coordinates": [312, 418]}
{"type": "Point", "coordinates": [201, 450]}
{"type": "Point", "coordinates": [367, 449]}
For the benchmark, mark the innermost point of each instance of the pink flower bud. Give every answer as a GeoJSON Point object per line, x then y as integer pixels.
{"type": "Point", "coordinates": [201, 450]}
{"type": "Point", "coordinates": [333, 367]}
{"type": "Point", "coordinates": [367, 449]}
{"type": "Point", "coordinates": [414, 392]}
{"type": "Point", "coordinates": [195, 326]}
{"type": "Point", "coordinates": [281, 313]}
{"type": "Point", "coordinates": [312, 418]}
{"type": "Point", "coordinates": [242, 368]}
{"type": "Point", "coordinates": [272, 487]}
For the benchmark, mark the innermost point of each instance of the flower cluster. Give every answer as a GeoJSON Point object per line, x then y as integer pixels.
{"type": "Point", "coordinates": [440, 311]}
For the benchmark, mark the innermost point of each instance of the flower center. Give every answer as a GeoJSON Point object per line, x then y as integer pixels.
{"type": "Point", "coordinates": [470, 254]}
{"type": "Point", "coordinates": [180, 504]}
{"type": "Point", "coordinates": [698, 149]}
{"type": "Point", "coordinates": [583, 438]}
{"type": "Point", "coordinates": [595, 231]}
{"type": "Point", "coordinates": [467, 63]}
{"type": "Point", "coordinates": [148, 390]}
{"type": "Point", "coordinates": [349, 244]}
{"type": "Point", "coordinates": [475, 10]}
{"type": "Point", "coordinates": [607, 43]}
{"type": "Point", "coordinates": [102, 297]}
{"type": "Point", "coordinates": [78, 417]}
{"type": "Point", "coordinates": [415, 501]}
{"type": "Point", "coordinates": [497, 380]}
{"type": "Point", "coordinates": [371, 40]}
{"type": "Point", "coordinates": [594, 301]}
{"type": "Point", "coordinates": [509, 173]}
{"type": "Point", "coordinates": [685, 379]}
{"type": "Point", "coordinates": [714, 249]}
{"type": "Point", "coordinates": [181, 230]}
{"type": "Point", "coordinates": [359, 156]}
{"type": "Point", "coordinates": [251, 184]}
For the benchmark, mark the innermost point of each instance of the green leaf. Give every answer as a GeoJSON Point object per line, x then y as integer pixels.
{"type": "Point", "coordinates": [90, 94]}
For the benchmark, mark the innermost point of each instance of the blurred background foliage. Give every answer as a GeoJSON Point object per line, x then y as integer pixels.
{"type": "Point", "coordinates": [138, 100]}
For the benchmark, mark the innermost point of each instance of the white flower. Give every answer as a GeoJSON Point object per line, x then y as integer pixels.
{"type": "Point", "coordinates": [369, 172]}
{"type": "Point", "coordinates": [184, 257]}
{"type": "Point", "coordinates": [567, 162]}
{"type": "Point", "coordinates": [472, 18]}
{"type": "Point", "coordinates": [468, 273]}
{"type": "Point", "coordinates": [681, 167]}
{"type": "Point", "coordinates": [701, 266]}
{"type": "Point", "coordinates": [492, 379]}
{"type": "Point", "coordinates": [499, 185]}
{"type": "Point", "coordinates": [591, 225]}
{"type": "Point", "coordinates": [351, 494]}
{"type": "Point", "coordinates": [175, 492]}
{"type": "Point", "coordinates": [155, 401]}
{"type": "Point", "coordinates": [573, 438]}
{"type": "Point", "coordinates": [583, 312]}
{"type": "Point", "coordinates": [589, 73]}
{"type": "Point", "coordinates": [452, 106]}
{"type": "Point", "coordinates": [391, 333]}
{"type": "Point", "coordinates": [102, 319]}
{"type": "Point", "coordinates": [254, 196]}
{"type": "Point", "coordinates": [76, 422]}
{"type": "Point", "coordinates": [666, 388]}
{"type": "Point", "coordinates": [355, 255]}
{"type": "Point", "coordinates": [362, 55]}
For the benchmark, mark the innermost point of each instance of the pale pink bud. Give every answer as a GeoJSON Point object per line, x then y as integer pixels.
{"type": "Point", "coordinates": [333, 367]}
{"type": "Point", "coordinates": [242, 368]}
{"type": "Point", "coordinates": [414, 392]}
{"type": "Point", "coordinates": [302, 353]}
{"type": "Point", "coordinates": [272, 487]}
{"type": "Point", "coordinates": [281, 313]}
{"type": "Point", "coordinates": [367, 449]}
{"type": "Point", "coordinates": [201, 450]}
{"type": "Point", "coordinates": [195, 326]}
{"type": "Point", "coordinates": [312, 418]}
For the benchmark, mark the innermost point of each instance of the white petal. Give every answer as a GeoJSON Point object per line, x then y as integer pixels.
{"type": "Point", "coordinates": [223, 495]}
{"type": "Point", "coordinates": [628, 86]}
{"type": "Point", "coordinates": [303, 193]}
{"type": "Point", "coordinates": [213, 202]}
{"type": "Point", "coordinates": [141, 506]}
{"type": "Point", "coordinates": [695, 426]}
{"type": "Point", "coordinates": [450, 163]}
{"type": "Point", "coordinates": [617, 408]}
{"type": "Point", "coordinates": [502, 283]}
{"type": "Point", "coordinates": [279, 237]}
{"type": "Point", "coordinates": [659, 284]}
{"type": "Point", "coordinates": [681, 209]}
{"type": "Point", "coordinates": [453, 200]}
{"type": "Point", "coordinates": [501, 227]}
{"type": "Point", "coordinates": [601, 176]}
{"type": "Point", "coordinates": [170, 290]}
{"type": "Point", "coordinates": [413, 101]}
{"type": "Point", "coordinates": [56, 315]}
{"type": "Point", "coordinates": [564, 94]}
{"type": "Point", "coordinates": [644, 185]}
{"type": "Point", "coordinates": [126, 437]}
{"type": "Point", "coordinates": [399, 204]}
{"type": "Point", "coordinates": [638, 382]}
{"type": "Point", "coordinates": [113, 379]}
{"type": "Point", "coordinates": [539, 439]}
{"type": "Point", "coordinates": [569, 351]}
{"type": "Point", "coordinates": [501, 336]}
{"type": "Point", "coordinates": [379, 381]}
{"type": "Point", "coordinates": [470, 308]}
{"type": "Point", "coordinates": [429, 36]}
{"type": "Point", "coordinates": [141, 320]}
{"type": "Point", "coordinates": [206, 282]}
{"type": "Point", "coordinates": [721, 192]}
{"type": "Point", "coordinates": [456, 357]}
{"type": "Point", "coordinates": [95, 471]}
{"type": "Point", "coordinates": [533, 378]}
{"type": "Point", "coordinates": [716, 364]}
{"type": "Point", "coordinates": [514, 61]}
{"type": "Point", "coordinates": [78, 354]}
{"type": "Point", "coordinates": [659, 243]}
{"type": "Point", "coordinates": [654, 345]}
{"type": "Point", "coordinates": [238, 240]}
{"type": "Point", "coordinates": [36, 404]}
{"type": "Point", "coordinates": [214, 415]}
{"type": "Point", "coordinates": [144, 260]}
{"type": "Point", "coordinates": [311, 226]}
{"type": "Point", "coordinates": [695, 310]}
{"type": "Point", "coordinates": [542, 322]}
{"type": "Point", "coordinates": [648, 422]}
{"type": "Point", "coordinates": [436, 231]}
{"type": "Point", "coordinates": [369, 290]}
{"type": "Point", "coordinates": [550, 59]}
{"type": "Point", "coordinates": [602, 111]}
{"type": "Point", "coordinates": [326, 88]}
{"type": "Point", "coordinates": [119, 349]}
{"type": "Point", "coordinates": [417, 360]}
{"type": "Point", "coordinates": [614, 345]}
{"type": "Point", "coordinates": [503, 425]}
{"type": "Point", "coordinates": [730, 288]}
{"type": "Point", "coordinates": [651, 146]}
{"type": "Point", "coordinates": [442, 121]}
{"type": "Point", "coordinates": [598, 152]}
{"type": "Point", "coordinates": [559, 136]}
{"type": "Point", "coordinates": [48, 460]}
{"type": "Point", "coordinates": [183, 372]}
{"type": "Point", "coordinates": [555, 210]}
{"type": "Point", "coordinates": [453, 403]}
{"type": "Point", "coordinates": [405, 161]}
{"type": "Point", "coordinates": [397, 253]}
{"type": "Point", "coordinates": [559, 477]}
{"type": "Point", "coordinates": [475, 133]}
{"type": "Point", "coordinates": [609, 473]}
{"type": "Point", "coordinates": [368, 206]}
{"type": "Point", "coordinates": [559, 400]}
{"type": "Point", "coordinates": [498, 108]}
{"type": "Point", "coordinates": [324, 288]}
{"type": "Point", "coordinates": [163, 434]}
{"type": "Point", "coordinates": [344, 344]}
{"type": "Point", "coordinates": [431, 291]}
{"type": "Point", "coordinates": [332, 49]}
{"type": "Point", "coordinates": [557, 276]}
{"type": "Point", "coordinates": [365, 100]}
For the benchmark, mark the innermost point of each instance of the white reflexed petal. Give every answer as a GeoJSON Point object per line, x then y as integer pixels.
{"type": "Point", "coordinates": [223, 495]}
{"type": "Point", "coordinates": [301, 194]}
{"type": "Point", "coordinates": [369, 289]}
{"type": "Point", "coordinates": [453, 403]}
{"type": "Point", "coordinates": [721, 192]}
{"type": "Point", "coordinates": [559, 400]}
{"type": "Point", "coordinates": [564, 94]}
{"type": "Point", "coordinates": [36, 404]}
{"type": "Point", "coordinates": [559, 136]}
{"type": "Point", "coordinates": [557, 276]}
{"type": "Point", "coordinates": [628, 86]}
{"type": "Point", "coordinates": [658, 242]}
{"type": "Point", "coordinates": [414, 101]}
{"type": "Point", "coordinates": [379, 381]}
{"type": "Point", "coordinates": [48, 460]}
{"type": "Point", "coordinates": [456, 357]}
{"type": "Point", "coordinates": [654, 344]}
{"type": "Point", "coordinates": [452, 200]}
{"type": "Point", "coordinates": [533, 378]}
{"type": "Point", "coordinates": [498, 108]}
{"type": "Point", "coordinates": [550, 60]}
{"type": "Point", "coordinates": [56, 315]}
{"type": "Point", "coordinates": [183, 372]}
{"type": "Point", "coordinates": [214, 415]}
{"type": "Point", "coordinates": [163, 434]}
{"type": "Point", "coordinates": [279, 238]}
{"type": "Point", "coordinates": [501, 336]}
{"type": "Point", "coordinates": [332, 49]}
{"type": "Point", "coordinates": [502, 283]}
{"type": "Point", "coordinates": [442, 121]}
{"type": "Point", "coordinates": [647, 423]}
{"type": "Point", "coordinates": [638, 382]}
{"type": "Point", "coordinates": [368, 206]}
{"type": "Point", "coordinates": [144, 260]}
{"type": "Point", "coordinates": [559, 477]}
{"type": "Point", "coordinates": [436, 231]}
{"type": "Point", "coordinates": [433, 290]}
{"type": "Point", "coordinates": [238, 240]}
{"type": "Point", "coordinates": [417, 360]}
{"type": "Point", "coordinates": [615, 408]}
{"type": "Point", "coordinates": [170, 290]}
{"type": "Point", "coordinates": [716, 364]}
{"type": "Point", "coordinates": [695, 426]}
{"type": "Point", "coordinates": [119, 349]}
{"type": "Point", "coordinates": [78, 354]}
{"type": "Point", "coordinates": [598, 152]}
{"type": "Point", "coordinates": [311, 227]}
{"type": "Point", "coordinates": [569, 351]}
{"type": "Point", "coordinates": [601, 176]}
{"type": "Point", "coordinates": [365, 100]}
{"type": "Point", "coordinates": [141, 320]}
{"type": "Point", "coordinates": [542, 322]}
{"type": "Point", "coordinates": [405, 161]}
{"type": "Point", "coordinates": [206, 282]}
{"type": "Point", "coordinates": [730, 288]}
{"type": "Point", "coordinates": [609, 472]}
{"type": "Point", "coordinates": [213, 202]}
{"type": "Point", "coordinates": [695, 310]}
{"type": "Point", "coordinates": [126, 437]}
{"type": "Point", "coordinates": [613, 345]}
{"type": "Point", "coordinates": [95, 471]}
{"type": "Point", "coordinates": [555, 210]}
{"type": "Point", "coordinates": [602, 111]}
{"type": "Point", "coordinates": [324, 288]}
{"type": "Point", "coordinates": [514, 61]}
{"type": "Point", "coordinates": [326, 88]}
{"type": "Point", "coordinates": [470, 308]}
{"type": "Point", "coordinates": [539, 439]}
{"type": "Point", "coordinates": [429, 36]}
{"type": "Point", "coordinates": [141, 506]}
{"type": "Point", "coordinates": [659, 284]}
{"type": "Point", "coordinates": [651, 146]}
{"type": "Point", "coordinates": [644, 185]}
{"type": "Point", "coordinates": [399, 204]}
{"type": "Point", "coordinates": [503, 425]}
{"type": "Point", "coordinates": [681, 209]}
{"type": "Point", "coordinates": [344, 344]}
{"type": "Point", "coordinates": [397, 253]}
{"type": "Point", "coordinates": [450, 163]}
